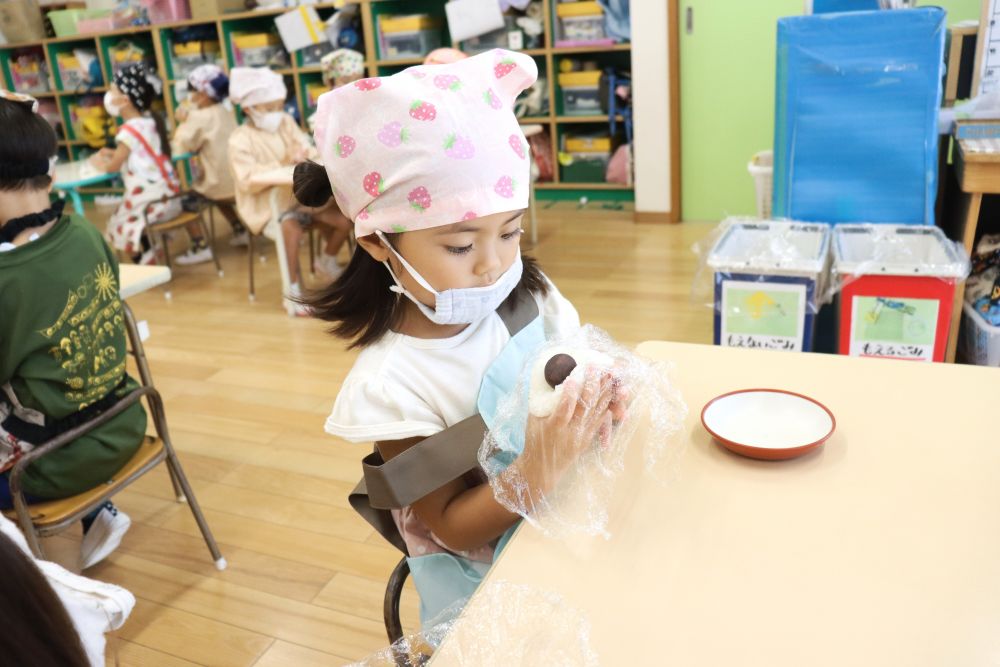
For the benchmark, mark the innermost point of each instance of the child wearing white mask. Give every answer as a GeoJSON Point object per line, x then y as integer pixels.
{"type": "Point", "coordinates": [268, 140]}
{"type": "Point", "coordinates": [142, 154]}
{"type": "Point", "coordinates": [433, 168]}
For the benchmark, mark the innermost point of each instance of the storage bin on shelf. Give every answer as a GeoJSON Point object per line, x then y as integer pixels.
{"type": "Point", "coordinates": [413, 36]}
{"type": "Point", "coordinates": [584, 159]}
{"type": "Point", "coordinates": [896, 287]}
{"type": "Point", "coordinates": [313, 91]}
{"type": "Point", "coordinates": [188, 56]}
{"type": "Point", "coordinates": [166, 11]}
{"type": "Point", "coordinates": [980, 341]}
{"type": "Point", "coordinates": [71, 71]}
{"type": "Point", "coordinates": [581, 23]}
{"type": "Point", "coordinates": [29, 74]}
{"type": "Point", "coordinates": [770, 277]}
{"type": "Point", "coordinates": [78, 114]}
{"type": "Point", "coordinates": [580, 93]}
{"type": "Point", "coordinates": [257, 50]}
{"type": "Point", "coordinates": [66, 22]}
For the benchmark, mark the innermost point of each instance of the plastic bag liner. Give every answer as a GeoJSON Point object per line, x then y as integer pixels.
{"type": "Point", "coordinates": [504, 624]}
{"type": "Point", "coordinates": [895, 250]}
{"type": "Point", "coordinates": [856, 107]}
{"type": "Point", "coordinates": [564, 480]}
{"type": "Point", "coordinates": [768, 281]}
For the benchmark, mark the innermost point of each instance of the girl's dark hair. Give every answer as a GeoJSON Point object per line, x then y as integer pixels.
{"type": "Point", "coordinates": [27, 141]}
{"type": "Point", "coordinates": [363, 309]}
{"type": "Point", "coordinates": [37, 630]}
{"type": "Point", "coordinates": [311, 184]}
{"type": "Point", "coordinates": [161, 131]}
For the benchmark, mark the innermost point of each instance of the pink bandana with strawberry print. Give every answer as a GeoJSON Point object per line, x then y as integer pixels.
{"type": "Point", "coordinates": [429, 146]}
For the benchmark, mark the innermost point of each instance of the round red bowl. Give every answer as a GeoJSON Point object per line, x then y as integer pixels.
{"type": "Point", "coordinates": [768, 424]}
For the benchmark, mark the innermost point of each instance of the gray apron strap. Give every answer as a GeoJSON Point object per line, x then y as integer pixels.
{"type": "Point", "coordinates": [432, 462]}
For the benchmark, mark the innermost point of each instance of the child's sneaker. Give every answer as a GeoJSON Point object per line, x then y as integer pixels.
{"type": "Point", "coordinates": [149, 258]}
{"type": "Point", "coordinates": [103, 535]}
{"type": "Point", "coordinates": [329, 265]}
{"type": "Point", "coordinates": [240, 239]}
{"type": "Point", "coordinates": [292, 306]}
{"type": "Point", "coordinates": [194, 256]}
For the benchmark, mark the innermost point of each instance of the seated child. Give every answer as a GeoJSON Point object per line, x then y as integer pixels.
{"type": "Point", "coordinates": [143, 156]}
{"type": "Point", "coordinates": [268, 140]}
{"type": "Point", "coordinates": [205, 124]}
{"type": "Point", "coordinates": [62, 347]}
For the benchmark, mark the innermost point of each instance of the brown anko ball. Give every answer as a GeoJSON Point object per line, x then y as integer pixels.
{"type": "Point", "coordinates": [558, 368]}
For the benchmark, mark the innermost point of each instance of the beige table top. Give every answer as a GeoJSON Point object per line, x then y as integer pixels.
{"type": "Point", "coordinates": [135, 278]}
{"type": "Point", "coordinates": [882, 548]}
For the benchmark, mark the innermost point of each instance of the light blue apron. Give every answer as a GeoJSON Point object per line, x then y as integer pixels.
{"type": "Point", "coordinates": [442, 579]}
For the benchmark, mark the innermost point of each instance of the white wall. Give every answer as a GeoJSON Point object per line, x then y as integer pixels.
{"type": "Point", "coordinates": [651, 105]}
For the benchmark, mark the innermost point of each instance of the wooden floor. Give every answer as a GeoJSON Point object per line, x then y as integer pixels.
{"type": "Point", "coordinates": [247, 390]}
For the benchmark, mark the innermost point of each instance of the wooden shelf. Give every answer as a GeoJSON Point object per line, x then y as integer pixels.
{"type": "Point", "coordinates": [400, 62]}
{"type": "Point", "coordinates": [310, 69]}
{"type": "Point", "coordinates": [582, 186]}
{"type": "Point", "coordinates": [586, 119]}
{"type": "Point", "coordinates": [570, 50]}
{"type": "Point", "coordinates": [535, 120]}
{"type": "Point", "coordinates": [85, 91]}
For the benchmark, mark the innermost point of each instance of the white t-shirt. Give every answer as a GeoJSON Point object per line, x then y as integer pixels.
{"type": "Point", "coordinates": [404, 387]}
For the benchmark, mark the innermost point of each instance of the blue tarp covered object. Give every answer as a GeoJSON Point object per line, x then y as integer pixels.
{"type": "Point", "coordinates": [856, 106]}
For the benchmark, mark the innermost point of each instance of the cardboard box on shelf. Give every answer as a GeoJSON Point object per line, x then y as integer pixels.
{"type": "Point", "coordinates": [201, 9]}
{"type": "Point", "coordinates": [21, 21]}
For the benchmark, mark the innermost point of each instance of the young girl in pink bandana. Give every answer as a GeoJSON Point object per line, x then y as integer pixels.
{"type": "Point", "coordinates": [432, 167]}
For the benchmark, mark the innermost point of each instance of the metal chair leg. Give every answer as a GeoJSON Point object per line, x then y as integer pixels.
{"type": "Point", "coordinates": [211, 244]}
{"type": "Point", "coordinates": [250, 255]}
{"type": "Point", "coordinates": [177, 473]}
{"type": "Point", "coordinates": [178, 491]}
{"type": "Point", "coordinates": [390, 605]}
{"type": "Point", "coordinates": [24, 519]}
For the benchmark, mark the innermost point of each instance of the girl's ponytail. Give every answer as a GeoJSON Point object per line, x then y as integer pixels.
{"type": "Point", "coordinates": [161, 130]}
{"type": "Point", "coordinates": [311, 185]}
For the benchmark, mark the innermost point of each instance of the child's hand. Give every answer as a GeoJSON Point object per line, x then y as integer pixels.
{"type": "Point", "coordinates": [585, 413]}
{"type": "Point", "coordinates": [181, 113]}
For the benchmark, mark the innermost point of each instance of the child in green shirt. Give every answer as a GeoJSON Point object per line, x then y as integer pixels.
{"type": "Point", "coordinates": [62, 334]}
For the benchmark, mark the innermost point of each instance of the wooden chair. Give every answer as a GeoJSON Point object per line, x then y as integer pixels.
{"type": "Point", "coordinates": [158, 230]}
{"type": "Point", "coordinates": [47, 518]}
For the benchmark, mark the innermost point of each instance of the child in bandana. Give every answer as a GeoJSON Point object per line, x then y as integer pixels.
{"type": "Point", "coordinates": [143, 157]}
{"type": "Point", "coordinates": [270, 139]}
{"type": "Point", "coordinates": [205, 124]}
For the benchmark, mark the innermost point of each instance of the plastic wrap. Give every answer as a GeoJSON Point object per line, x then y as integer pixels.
{"type": "Point", "coordinates": [895, 289]}
{"type": "Point", "coordinates": [505, 624]}
{"type": "Point", "coordinates": [857, 99]}
{"type": "Point", "coordinates": [556, 448]}
{"type": "Point", "coordinates": [766, 281]}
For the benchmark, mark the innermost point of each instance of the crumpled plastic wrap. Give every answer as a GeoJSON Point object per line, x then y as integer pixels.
{"type": "Point", "coordinates": [505, 624]}
{"type": "Point", "coordinates": [553, 453]}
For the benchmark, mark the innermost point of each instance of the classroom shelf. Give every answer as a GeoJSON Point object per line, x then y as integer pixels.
{"type": "Point", "coordinates": [586, 119]}
{"type": "Point", "coordinates": [160, 38]}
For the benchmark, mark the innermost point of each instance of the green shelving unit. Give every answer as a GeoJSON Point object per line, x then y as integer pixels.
{"type": "Point", "coordinates": [159, 40]}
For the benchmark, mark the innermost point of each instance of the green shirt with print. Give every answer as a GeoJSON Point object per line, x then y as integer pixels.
{"type": "Point", "coordinates": [63, 347]}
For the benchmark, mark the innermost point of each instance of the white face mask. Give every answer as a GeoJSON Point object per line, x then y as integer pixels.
{"type": "Point", "coordinates": [269, 122]}
{"type": "Point", "coordinates": [461, 305]}
{"type": "Point", "coordinates": [110, 106]}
